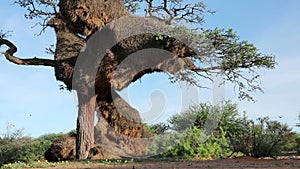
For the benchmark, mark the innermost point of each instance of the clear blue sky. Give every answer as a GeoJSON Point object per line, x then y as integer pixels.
{"type": "Point", "coordinates": [30, 97]}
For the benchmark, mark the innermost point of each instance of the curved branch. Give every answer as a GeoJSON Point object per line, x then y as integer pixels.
{"type": "Point", "coordinates": [9, 55]}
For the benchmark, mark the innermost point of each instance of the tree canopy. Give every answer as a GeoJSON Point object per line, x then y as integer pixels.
{"type": "Point", "coordinates": [238, 60]}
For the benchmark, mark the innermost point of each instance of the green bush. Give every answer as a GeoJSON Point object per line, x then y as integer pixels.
{"type": "Point", "coordinates": [15, 147]}
{"type": "Point", "coordinates": [196, 143]}
{"type": "Point", "coordinates": [233, 133]}
{"type": "Point", "coordinates": [267, 138]}
{"type": "Point", "coordinates": [224, 117]}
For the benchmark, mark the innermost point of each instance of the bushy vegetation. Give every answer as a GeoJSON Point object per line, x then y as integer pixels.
{"type": "Point", "coordinates": [266, 138]}
{"type": "Point", "coordinates": [15, 147]}
{"type": "Point", "coordinates": [199, 143]}
{"type": "Point", "coordinates": [196, 145]}
{"type": "Point", "coordinates": [233, 134]}
{"type": "Point", "coordinates": [230, 133]}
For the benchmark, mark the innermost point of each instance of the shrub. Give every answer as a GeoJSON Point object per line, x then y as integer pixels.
{"type": "Point", "coordinates": [224, 117]}
{"type": "Point", "coordinates": [233, 133]}
{"type": "Point", "coordinates": [265, 139]}
{"type": "Point", "coordinates": [15, 147]}
{"type": "Point", "coordinates": [197, 144]}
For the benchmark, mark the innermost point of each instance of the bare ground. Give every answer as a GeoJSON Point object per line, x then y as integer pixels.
{"type": "Point", "coordinates": [239, 163]}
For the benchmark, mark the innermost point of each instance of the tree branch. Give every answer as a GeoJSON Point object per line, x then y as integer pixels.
{"type": "Point", "coordinates": [175, 11]}
{"type": "Point", "coordinates": [149, 10]}
{"type": "Point", "coordinates": [9, 55]}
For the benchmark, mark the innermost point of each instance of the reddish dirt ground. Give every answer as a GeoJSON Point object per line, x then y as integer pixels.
{"type": "Point", "coordinates": [239, 163]}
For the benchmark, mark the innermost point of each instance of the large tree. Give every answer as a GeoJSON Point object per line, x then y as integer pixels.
{"type": "Point", "coordinates": [191, 54]}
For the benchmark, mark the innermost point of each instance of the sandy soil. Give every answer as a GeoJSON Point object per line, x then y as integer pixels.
{"type": "Point", "coordinates": [239, 163]}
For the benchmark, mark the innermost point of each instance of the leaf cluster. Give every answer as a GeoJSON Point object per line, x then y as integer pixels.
{"type": "Point", "coordinates": [238, 61]}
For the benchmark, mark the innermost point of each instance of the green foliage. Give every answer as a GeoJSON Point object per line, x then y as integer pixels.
{"type": "Point", "coordinates": [196, 144]}
{"type": "Point", "coordinates": [239, 60]}
{"type": "Point", "coordinates": [15, 147]}
{"type": "Point", "coordinates": [37, 164]}
{"type": "Point", "coordinates": [265, 139]}
{"type": "Point", "coordinates": [234, 133]}
{"type": "Point", "coordinates": [72, 133]}
{"type": "Point", "coordinates": [15, 165]}
{"type": "Point", "coordinates": [292, 144]}
{"type": "Point", "coordinates": [236, 60]}
{"type": "Point", "coordinates": [236, 53]}
{"type": "Point", "coordinates": [18, 148]}
{"type": "Point", "coordinates": [197, 115]}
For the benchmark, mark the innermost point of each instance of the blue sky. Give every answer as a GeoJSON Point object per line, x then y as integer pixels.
{"type": "Point", "coordinates": [30, 96]}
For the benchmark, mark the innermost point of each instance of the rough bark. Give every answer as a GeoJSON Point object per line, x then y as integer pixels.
{"type": "Point", "coordinates": [85, 126]}
{"type": "Point", "coordinates": [68, 47]}
{"type": "Point", "coordinates": [118, 127]}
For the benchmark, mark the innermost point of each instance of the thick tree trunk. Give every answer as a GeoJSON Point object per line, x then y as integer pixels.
{"type": "Point", "coordinates": [119, 129]}
{"type": "Point", "coordinates": [85, 126]}
{"type": "Point", "coordinates": [118, 124]}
